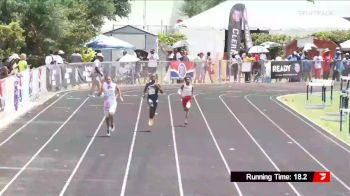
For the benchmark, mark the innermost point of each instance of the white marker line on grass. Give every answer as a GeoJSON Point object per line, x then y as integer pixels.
{"type": "Point", "coordinates": [257, 144]}
{"type": "Point", "coordinates": [28, 122]}
{"type": "Point", "coordinates": [122, 192]}
{"type": "Point", "coordinates": [175, 149]}
{"type": "Point", "coordinates": [42, 147]}
{"type": "Point", "coordinates": [297, 143]}
{"type": "Point", "coordinates": [81, 159]}
{"type": "Point", "coordinates": [313, 127]}
{"type": "Point", "coordinates": [217, 145]}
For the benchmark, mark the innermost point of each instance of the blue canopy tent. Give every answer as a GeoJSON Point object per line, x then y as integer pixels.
{"type": "Point", "coordinates": [107, 44]}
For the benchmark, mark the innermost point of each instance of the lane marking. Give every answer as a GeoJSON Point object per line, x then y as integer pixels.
{"type": "Point", "coordinates": [313, 127]}
{"type": "Point", "coordinates": [34, 169]}
{"type": "Point", "coordinates": [217, 145]}
{"type": "Point", "coordinates": [42, 147]}
{"type": "Point", "coordinates": [179, 178]}
{"type": "Point", "coordinates": [297, 143]}
{"type": "Point", "coordinates": [122, 192]}
{"type": "Point", "coordinates": [81, 158]}
{"type": "Point", "coordinates": [27, 123]}
{"type": "Point", "coordinates": [257, 144]}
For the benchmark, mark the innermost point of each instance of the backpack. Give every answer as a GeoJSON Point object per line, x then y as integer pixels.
{"type": "Point", "coordinates": [52, 61]}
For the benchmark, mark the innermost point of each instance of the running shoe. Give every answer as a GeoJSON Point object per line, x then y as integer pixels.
{"type": "Point", "coordinates": [112, 128]}
{"type": "Point", "coordinates": [186, 122]}
{"type": "Point", "coordinates": [150, 122]}
{"type": "Point", "coordinates": [108, 133]}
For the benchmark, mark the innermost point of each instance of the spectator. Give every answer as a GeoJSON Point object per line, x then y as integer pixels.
{"type": "Point", "coordinates": [96, 74]}
{"type": "Point", "coordinates": [209, 67]}
{"type": "Point", "coordinates": [60, 58]}
{"type": "Point", "coordinates": [12, 63]}
{"type": "Point", "coordinates": [338, 66]}
{"type": "Point", "coordinates": [235, 62]}
{"type": "Point", "coordinates": [185, 56]}
{"type": "Point", "coordinates": [346, 63]}
{"type": "Point", "coordinates": [49, 59]}
{"type": "Point", "coordinates": [294, 56]}
{"type": "Point", "coordinates": [318, 65]}
{"type": "Point", "coordinates": [327, 60]}
{"type": "Point", "coordinates": [76, 57]}
{"type": "Point", "coordinates": [200, 68]}
{"type": "Point", "coordinates": [152, 61]}
{"type": "Point", "coordinates": [178, 55]}
{"type": "Point", "coordinates": [4, 71]}
{"type": "Point", "coordinates": [306, 67]}
{"type": "Point", "coordinates": [22, 64]}
{"type": "Point", "coordinates": [169, 58]}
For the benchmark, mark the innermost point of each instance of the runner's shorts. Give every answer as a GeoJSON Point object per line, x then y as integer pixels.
{"type": "Point", "coordinates": [110, 108]}
{"type": "Point", "coordinates": [186, 102]}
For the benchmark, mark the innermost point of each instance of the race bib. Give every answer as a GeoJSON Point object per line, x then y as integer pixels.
{"type": "Point", "coordinates": [151, 91]}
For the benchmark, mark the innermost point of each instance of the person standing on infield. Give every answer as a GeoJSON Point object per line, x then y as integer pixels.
{"type": "Point", "coordinates": [110, 92]}
{"type": "Point", "coordinates": [152, 88]}
{"type": "Point", "coordinates": [96, 74]}
{"type": "Point", "coordinates": [186, 92]}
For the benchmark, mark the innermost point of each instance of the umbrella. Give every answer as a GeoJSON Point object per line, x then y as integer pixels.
{"type": "Point", "coordinates": [257, 50]}
{"type": "Point", "coordinates": [108, 42]}
{"type": "Point", "coordinates": [128, 58]}
{"type": "Point", "coordinates": [309, 46]}
{"type": "Point", "coordinates": [270, 44]}
{"type": "Point", "coordinates": [180, 44]}
{"type": "Point", "coordinates": [345, 45]}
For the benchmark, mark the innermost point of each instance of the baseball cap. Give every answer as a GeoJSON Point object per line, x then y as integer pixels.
{"type": "Point", "coordinates": [99, 54]}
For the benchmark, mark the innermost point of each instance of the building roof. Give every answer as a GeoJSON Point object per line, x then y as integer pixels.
{"type": "Point", "coordinates": [128, 29]}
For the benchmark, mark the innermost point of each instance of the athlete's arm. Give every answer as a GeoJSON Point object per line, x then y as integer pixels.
{"type": "Point", "coordinates": [160, 89]}
{"type": "Point", "coordinates": [145, 90]}
{"type": "Point", "coordinates": [118, 91]}
{"type": "Point", "coordinates": [101, 90]}
{"type": "Point", "coordinates": [180, 90]}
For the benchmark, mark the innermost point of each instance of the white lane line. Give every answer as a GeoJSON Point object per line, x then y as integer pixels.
{"type": "Point", "coordinates": [81, 159]}
{"type": "Point", "coordinates": [217, 145]}
{"type": "Point", "coordinates": [297, 143]}
{"type": "Point", "coordinates": [179, 178]}
{"type": "Point", "coordinates": [28, 122]}
{"type": "Point", "coordinates": [257, 144]}
{"type": "Point", "coordinates": [313, 127]}
{"type": "Point", "coordinates": [122, 192]}
{"type": "Point", "coordinates": [34, 169]}
{"type": "Point", "coordinates": [42, 147]}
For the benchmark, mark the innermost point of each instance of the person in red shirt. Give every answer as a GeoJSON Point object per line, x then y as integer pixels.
{"type": "Point", "coordinates": [326, 66]}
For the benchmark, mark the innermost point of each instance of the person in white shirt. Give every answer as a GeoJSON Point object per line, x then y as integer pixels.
{"type": "Point", "coordinates": [58, 57]}
{"type": "Point", "coordinates": [49, 59]}
{"type": "Point", "coordinates": [96, 74]}
{"type": "Point", "coordinates": [318, 65]}
{"type": "Point", "coordinates": [152, 62]}
{"type": "Point", "coordinates": [186, 92]}
{"type": "Point", "coordinates": [110, 92]}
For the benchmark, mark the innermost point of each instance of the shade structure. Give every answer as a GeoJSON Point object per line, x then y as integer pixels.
{"type": "Point", "coordinates": [128, 58]}
{"type": "Point", "coordinates": [108, 42]}
{"type": "Point", "coordinates": [270, 44]}
{"type": "Point", "coordinates": [309, 46]}
{"type": "Point", "coordinates": [257, 50]}
{"type": "Point", "coordinates": [180, 44]}
{"type": "Point", "coordinates": [345, 46]}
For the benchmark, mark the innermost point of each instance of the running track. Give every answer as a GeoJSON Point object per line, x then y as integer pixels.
{"type": "Point", "coordinates": [60, 148]}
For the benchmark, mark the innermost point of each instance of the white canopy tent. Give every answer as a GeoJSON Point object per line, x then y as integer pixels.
{"type": "Point", "coordinates": [283, 17]}
{"type": "Point", "coordinates": [345, 46]}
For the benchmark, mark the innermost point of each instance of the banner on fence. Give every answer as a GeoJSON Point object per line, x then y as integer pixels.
{"type": "Point", "coordinates": [285, 69]}
{"type": "Point", "coordinates": [179, 70]}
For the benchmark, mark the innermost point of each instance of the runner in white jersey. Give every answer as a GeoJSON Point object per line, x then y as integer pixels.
{"type": "Point", "coordinates": [186, 92]}
{"type": "Point", "coordinates": [110, 91]}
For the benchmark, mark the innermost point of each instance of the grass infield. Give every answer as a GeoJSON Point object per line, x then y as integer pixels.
{"type": "Point", "coordinates": [327, 117]}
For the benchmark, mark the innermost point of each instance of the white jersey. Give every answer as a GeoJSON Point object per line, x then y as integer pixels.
{"type": "Point", "coordinates": [187, 90]}
{"type": "Point", "coordinates": [109, 93]}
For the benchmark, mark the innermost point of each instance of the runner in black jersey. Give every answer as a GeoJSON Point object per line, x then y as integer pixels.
{"type": "Point", "coordinates": [151, 89]}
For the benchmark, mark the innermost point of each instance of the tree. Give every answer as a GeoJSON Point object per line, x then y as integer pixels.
{"type": "Point", "coordinates": [60, 24]}
{"type": "Point", "coordinates": [194, 7]}
{"type": "Point", "coordinates": [335, 36]}
{"type": "Point", "coordinates": [11, 39]}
